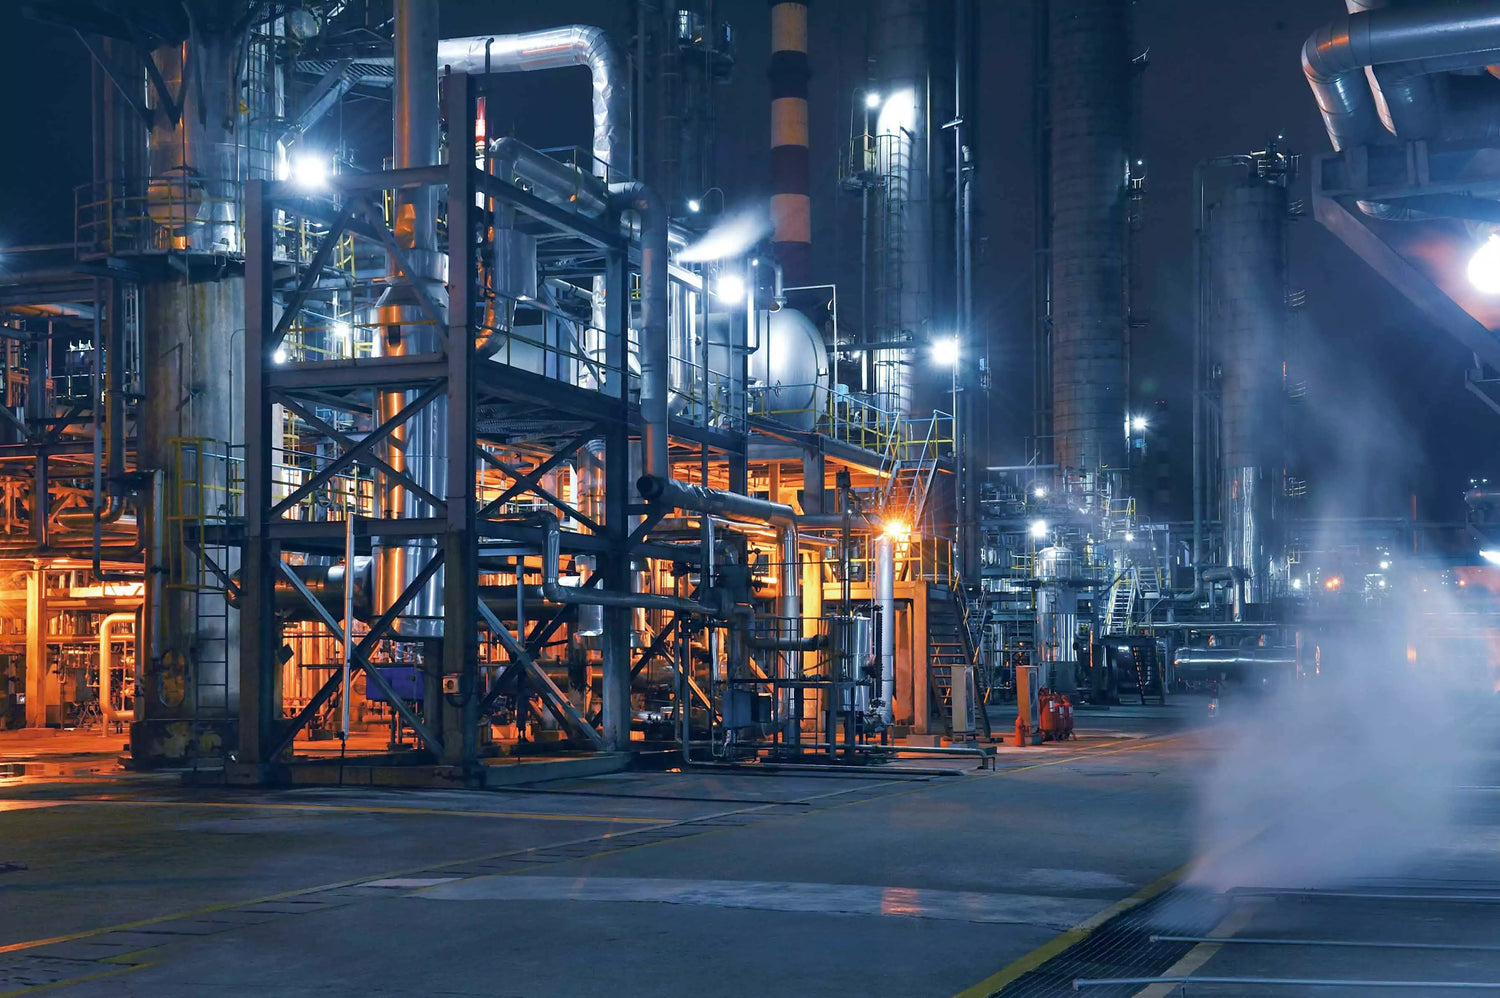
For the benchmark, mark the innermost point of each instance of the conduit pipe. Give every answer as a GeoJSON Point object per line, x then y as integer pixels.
{"type": "Point", "coordinates": [555, 592]}
{"type": "Point", "coordinates": [1203, 578]}
{"type": "Point", "coordinates": [106, 660]}
{"type": "Point", "coordinates": [1427, 39]}
{"type": "Point", "coordinates": [655, 355]}
{"type": "Point", "coordinates": [713, 502]}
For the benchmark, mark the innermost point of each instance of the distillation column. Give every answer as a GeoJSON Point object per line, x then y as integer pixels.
{"type": "Point", "coordinates": [1247, 263]}
{"type": "Point", "coordinates": [188, 427]}
{"type": "Point", "coordinates": [1090, 100]}
{"type": "Point", "coordinates": [791, 207]}
{"type": "Point", "coordinates": [905, 258]}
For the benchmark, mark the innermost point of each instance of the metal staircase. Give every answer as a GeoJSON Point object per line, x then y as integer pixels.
{"type": "Point", "coordinates": [911, 466]}
{"type": "Point", "coordinates": [949, 644]}
{"type": "Point", "coordinates": [1122, 603]}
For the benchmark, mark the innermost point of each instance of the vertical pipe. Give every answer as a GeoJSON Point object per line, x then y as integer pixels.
{"type": "Point", "coordinates": [106, 663]}
{"type": "Point", "coordinates": [791, 613]}
{"type": "Point", "coordinates": [420, 447]}
{"type": "Point", "coordinates": [885, 601]}
{"type": "Point", "coordinates": [791, 207]}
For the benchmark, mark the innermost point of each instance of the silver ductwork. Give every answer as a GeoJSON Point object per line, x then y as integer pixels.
{"type": "Point", "coordinates": [1090, 113]}
{"type": "Point", "coordinates": [1381, 65]}
{"type": "Point", "coordinates": [559, 48]}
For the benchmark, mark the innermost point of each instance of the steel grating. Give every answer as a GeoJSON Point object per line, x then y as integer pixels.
{"type": "Point", "coordinates": [1122, 947]}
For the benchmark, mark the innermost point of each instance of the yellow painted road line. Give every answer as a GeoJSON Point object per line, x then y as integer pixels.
{"type": "Point", "coordinates": [1200, 954]}
{"type": "Point", "coordinates": [1079, 932]}
{"type": "Point", "coordinates": [361, 809]}
{"type": "Point", "coordinates": [34, 988]}
{"type": "Point", "coordinates": [406, 872]}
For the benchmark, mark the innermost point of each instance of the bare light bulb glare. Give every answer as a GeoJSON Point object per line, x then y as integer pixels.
{"type": "Point", "coordinates": [872, 100]}
{"type": "Point", "coordinates": [1038, 529]}
{"type": "Point", "coordinates": [730, 288]}
{"type": "Point", "coordinates": [1138, 423]}
{"type": "Point", "coordinates": [309, 171]}
{"type": "Point", "coordinates": [945, 352]}
{"type": "Point", "coordinates": [694, 205]}
{"type": "Point", "coordinates": [1484, 267]}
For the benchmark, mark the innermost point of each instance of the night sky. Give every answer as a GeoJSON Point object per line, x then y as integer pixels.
{"type": "Point", "coordinates": [1387, 414]}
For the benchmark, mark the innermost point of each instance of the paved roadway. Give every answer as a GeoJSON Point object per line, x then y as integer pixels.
{"type": "Point", "coordinates": [709, 882]}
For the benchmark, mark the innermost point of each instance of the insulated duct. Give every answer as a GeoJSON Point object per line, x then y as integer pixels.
{"type": "Point", "coordinates": [558, 48]}
{"type": "Point", "coordinates": [1090, 113]}
{"type": "Point", "coordinates": [1403, 47]}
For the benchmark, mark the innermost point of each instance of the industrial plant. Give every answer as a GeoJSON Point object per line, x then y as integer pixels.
{"type": "Point", "coordinates": [775, 406]}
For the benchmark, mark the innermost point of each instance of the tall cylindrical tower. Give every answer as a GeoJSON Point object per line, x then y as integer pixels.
{"type": "Point", "coordinates": [1246, 248]}
{"type": "Point", "coordinates": [904, 270]}
{"type": "Point", "coordinates": [1090, 115]}
{"type": "Point", "coordinates": [791, 207]}
{"type": "Point", "coordinates": [198, 161]}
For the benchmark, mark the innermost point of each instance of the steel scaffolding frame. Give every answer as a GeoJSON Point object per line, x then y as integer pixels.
{"type": "Point", "coordinates": [463, 532]}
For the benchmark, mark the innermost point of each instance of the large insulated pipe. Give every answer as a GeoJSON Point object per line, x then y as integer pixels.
{"type": "Point", "coordinates": [1090, 97]}
{"type": "Point", "coordinates": [791, 207]}
{"type": "Point", "coordinates": [1431, 39]}
{"type": "Point", "coordinates": [557, 48]}
{"type": "Point", "coordinates": [656, 351]}
{"type": "Point", "coordinates": [885, 601]}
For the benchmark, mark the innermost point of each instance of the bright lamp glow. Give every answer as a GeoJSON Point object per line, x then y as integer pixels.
{"type": "Point", "coordinates": [1038, 529]}
{"type": "Point", "coordinates": [1040, 491]}
{"type": "Point", "coordinates": [341, 330]}
{"type": "Point", "coordinates": [309, 170]}
{"type": "Point", "coordinates": [1493, 557]}
{"type": "Point", "coordinates": [1138, 423]}
{"type": "Point", "coordinates": [896, 530]}
{"type": "Point", "coordinates": [280, 355]}
{"type": "Point", "coordinates": [898, 113]}
{"type": "Point", "coordinates": [730, 288]}
{"type": "Point", "coordinates": [1129, 537]}
{"type": "Point", "coordinates": [694, 205]}
{"type": "Point", "coordinates": [1484, 267]}
{"type": "Point", "coordinates": [872, 100]}
{"type": "Point", "coordinates": [1296, 583]}
{"type": "Point", "coordinates": [945, 351]}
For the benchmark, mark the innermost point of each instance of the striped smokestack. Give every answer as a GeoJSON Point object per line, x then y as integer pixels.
{"type": "Point", "coordinates": [791, 209]}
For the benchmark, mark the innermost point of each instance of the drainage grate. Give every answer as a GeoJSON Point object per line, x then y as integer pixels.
{"type": "Point", "coordinates": [1122, 947]}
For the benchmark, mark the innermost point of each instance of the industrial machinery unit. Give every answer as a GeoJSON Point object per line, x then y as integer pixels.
{"type": "Point", "coordinates": [473, 451]}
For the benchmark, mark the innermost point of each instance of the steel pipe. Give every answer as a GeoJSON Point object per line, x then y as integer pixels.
{"type": "Point", "coordinates": [106, 633]}
{"type": "Point", "coordinates": [1426, 39]}
{"type": "Point", "coordinates": [555, 592]}
{"type": "Point", "coordinates": [655, 355]}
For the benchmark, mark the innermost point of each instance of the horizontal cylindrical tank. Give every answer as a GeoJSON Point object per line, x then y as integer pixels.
{"type": "Point", "coordinates": [790, 365]}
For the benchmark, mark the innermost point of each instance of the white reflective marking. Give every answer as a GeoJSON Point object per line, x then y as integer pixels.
{"type": "Point", "coordinates": [840, 899]}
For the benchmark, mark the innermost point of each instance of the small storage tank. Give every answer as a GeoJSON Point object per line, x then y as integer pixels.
{"type": "Point", "coordinates": [789, 369]}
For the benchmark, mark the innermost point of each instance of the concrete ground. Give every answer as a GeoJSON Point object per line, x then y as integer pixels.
{"type": "Point", "coordinates": [706, 882]}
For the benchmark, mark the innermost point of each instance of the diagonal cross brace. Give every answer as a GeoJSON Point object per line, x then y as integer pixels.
{"type": "Point", "coordinates": [535, 475]}
{"type": "Point", "coordinates": [519, 476]}
{"type": "Point", "coordinates": [359, 449]}
{"type": "Point", "coordinates": [553, 697]}
{"type": "Point", "coordinates": [362, 661]}
{"type": "Point", "coordinates": [366, 643]}
{"type": "Point", "coordinates": [309, 281]}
